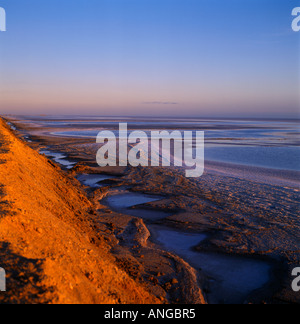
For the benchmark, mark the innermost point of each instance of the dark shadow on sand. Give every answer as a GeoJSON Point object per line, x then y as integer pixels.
{"type": "Point", "coordinates": [23, 278]}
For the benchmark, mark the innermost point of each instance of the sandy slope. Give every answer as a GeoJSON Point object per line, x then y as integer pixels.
{"type": "Point", "coordinates": [49, 244]}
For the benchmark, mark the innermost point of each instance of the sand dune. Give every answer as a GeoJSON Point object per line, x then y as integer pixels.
{"type": "Point", "coordinates": [49, 244]}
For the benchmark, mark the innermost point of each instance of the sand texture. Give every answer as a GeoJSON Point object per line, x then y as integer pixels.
{"type": "Point", "coordinates": [50, 246]}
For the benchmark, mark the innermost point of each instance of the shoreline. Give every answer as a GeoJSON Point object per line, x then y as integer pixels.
{"type": "Point", "coordinates": [265, 175]}
{"type": "Point", "coordinates": [273, 177]}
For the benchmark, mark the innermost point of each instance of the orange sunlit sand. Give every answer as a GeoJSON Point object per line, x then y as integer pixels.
{"type": "Point", "coordinates": [50, 245]}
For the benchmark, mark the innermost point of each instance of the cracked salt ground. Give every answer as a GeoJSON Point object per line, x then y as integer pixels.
{"type": "Point", "coordinates": [233, 278]}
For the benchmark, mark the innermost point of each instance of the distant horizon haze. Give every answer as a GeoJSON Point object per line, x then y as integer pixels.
{"type": "Point", "coordinates": [148, 117]}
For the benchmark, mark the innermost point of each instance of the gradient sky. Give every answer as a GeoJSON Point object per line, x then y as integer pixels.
{"type": "Point", "coordinates": [150, 57]}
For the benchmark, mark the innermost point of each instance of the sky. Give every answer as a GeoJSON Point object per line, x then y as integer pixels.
{"type": "Point", "coordinates": [191, 58]}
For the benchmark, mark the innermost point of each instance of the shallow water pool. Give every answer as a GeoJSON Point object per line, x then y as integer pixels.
{"type": "Point", "coordinates": [58, 158]}
{"type": "Point", "coordinates": [233, 278]}
{"type": "Point", "coordinates": [122, 203]}
{"type": "Point", "coordinates": [93, 180]}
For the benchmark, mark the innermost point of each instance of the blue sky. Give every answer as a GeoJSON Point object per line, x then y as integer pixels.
{"type": "Point", "coordinates": [150, 57]}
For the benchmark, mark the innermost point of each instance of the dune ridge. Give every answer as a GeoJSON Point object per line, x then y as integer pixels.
{"type": "Point", "coordinates": [49, 243]}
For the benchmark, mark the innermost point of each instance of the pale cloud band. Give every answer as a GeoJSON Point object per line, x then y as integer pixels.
{"type": "Point", "coordinates": [160, 103]}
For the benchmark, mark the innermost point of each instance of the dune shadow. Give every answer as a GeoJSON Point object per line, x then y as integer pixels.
{"type": "Point", "coordinates": [4, 147]}
{"type": "Point", "coordinates": [23, 278]}
{"type": "Point", "coordinates": [4, 204]}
